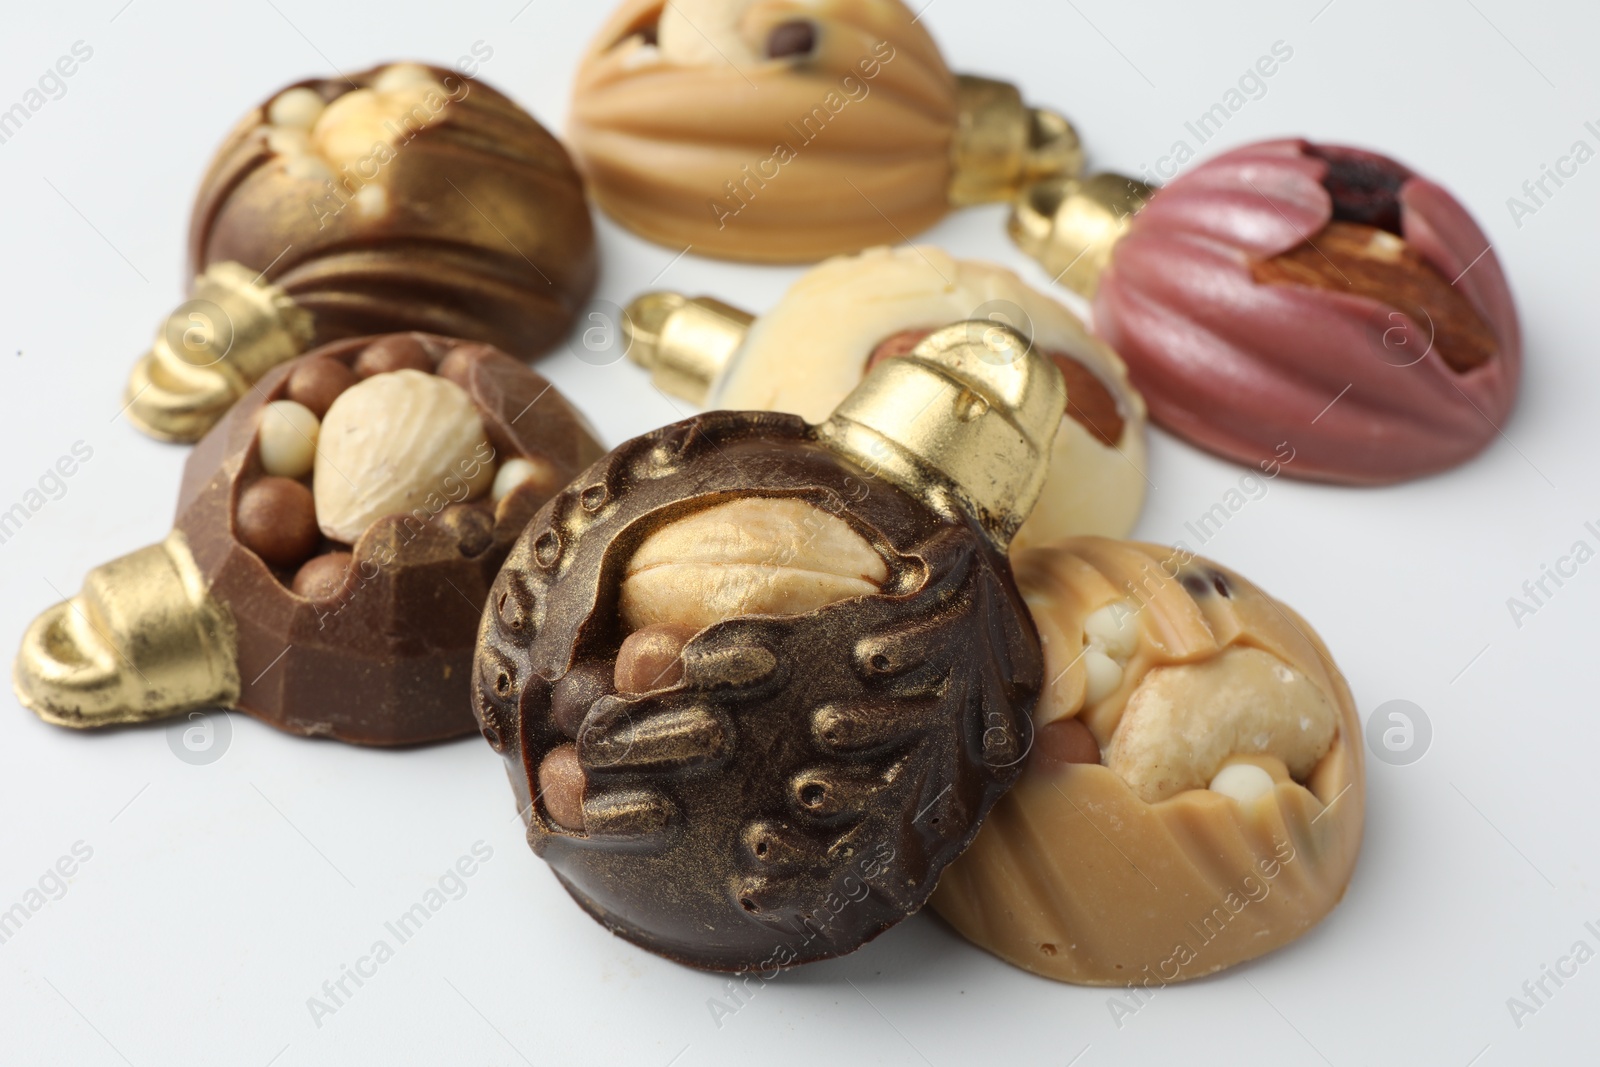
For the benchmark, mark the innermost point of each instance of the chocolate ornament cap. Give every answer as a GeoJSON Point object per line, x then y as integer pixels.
{"type": "Point", "coordinates": [406, 197]}
{"type": "Point", "coordinates": [374, 644]}
{"type": "Point", "coordinates": [757, 682]}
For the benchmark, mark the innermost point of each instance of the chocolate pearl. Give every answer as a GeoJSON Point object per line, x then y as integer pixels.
{"type": "Point", "coordinates": [794, 38]}
{"type": "Point", "coordinates": [1066, 741]}
{"type": "Point", "coordinates": [561, 785]}
{"type": "Point", "coordinates": [317, 383]}
{"type": "Point", "coordinates": [457, 366]}
{"type": "Point", "coordinates": [651, 658]}
{"type": "Point", "coordinates": [398, 351]}
{"type": "Point", "coordinates": [471, 526]}
{"type": "Point", "coordinates": [574, 694]}
{"type": "Point", "coordinates": [323, 577]}
{"type": "Point", "coordinates": [277, 520]}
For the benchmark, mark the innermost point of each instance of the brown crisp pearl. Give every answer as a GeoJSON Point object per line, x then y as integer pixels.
{"type": "Point", "coordinates": [317, 384]}
{"type": "Point", "coordinates": [398, 351]}
{"type": "Point", "coordinates": [650, 658]}
{"type": "Point", "coordinates": [561, 785]}
{"type": "Point", "coordinates": [1066, 741]}
{"type": "Point", "coordinates": [277, 520]}
{"type": "Point", "coordinates": [322, 576]}
{"type": "Point", "coordinates": [454, 366]}
{"type": "Point", "coordinates": [471, 526]}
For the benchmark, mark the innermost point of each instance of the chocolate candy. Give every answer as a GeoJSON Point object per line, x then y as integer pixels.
{"type": "Point", "coordinates": [1322, 303]}
{"type": "Point", "coordinates": [735, 127]}
{"type": "Point", "coordinates": [757, 681]}
{"type": "Point", "coordinates": [844, 315]}
{"type": "Point", "coordinates": [1194, 794]}
{"type": "Point", "coordinates": [406, 197]}
{"type": "Point", "coordinates": [364, 634]}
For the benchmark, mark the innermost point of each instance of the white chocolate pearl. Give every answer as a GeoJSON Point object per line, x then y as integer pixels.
{"type": "Point", "coordinates": [1104, 676]}
{"type": "Point", "coordinates": [1114, 628]}
{"type": "Point", "coordinates": [288, 142]}
{"type": "Point", "coordinates": [287, 438]}
{"type": "Point", "coordinates": [1244, 782]}
{"type": "Point", "coordinates": [401, 76]}
{"type": "Point", "coordinates": [512, 473]}
{"type": "Point", "coordinates": [296, 108]}
{"type": "Point", "coordinates": [372, 201]}
{"type": "Point", "coordinates": [308, 168]}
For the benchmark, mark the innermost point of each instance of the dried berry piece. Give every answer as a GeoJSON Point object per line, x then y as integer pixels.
{"type": "Point", "coordinates": [797, 37]}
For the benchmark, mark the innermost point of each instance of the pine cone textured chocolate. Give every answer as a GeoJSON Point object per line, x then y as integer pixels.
{"type": "Point", "coordinates": [755, 697]}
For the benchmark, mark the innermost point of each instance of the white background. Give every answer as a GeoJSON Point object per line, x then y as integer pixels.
{"type": "Point", "coordinates": [219, 898]}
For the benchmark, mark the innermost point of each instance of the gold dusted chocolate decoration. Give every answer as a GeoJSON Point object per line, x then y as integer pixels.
{"type": "Point", "coordinates": [683, 342]}
{"type": "Point", "coordinates": [406, 197]}
{"type": "Point", "coordinates": [965, 421]}
{"type": "Point", "coordinates": [1069, 225]}
{"type": "Point", "coordinates": [849, 313]}
{"type": "Point", "coordinates": [212, 349]}
{"type": "Point", "coordinates": [769, 131]}
{"type": "Point", "coordinates": [143, 640]}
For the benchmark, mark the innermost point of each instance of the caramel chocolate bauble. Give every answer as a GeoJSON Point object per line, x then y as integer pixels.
{"type": "Point", "coordinates": [757, 681]}
{"type": "Point", "coordinates": [780, 131]}
{"type": "Point", "coordinates": [361, 632]}
{"type": "Point", "coordinates": [1194, 796]}
{"type": "Point", "coordinates": [407, 197]}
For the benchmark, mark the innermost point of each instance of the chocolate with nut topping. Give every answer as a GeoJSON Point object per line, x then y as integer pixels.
{"type": "Point", "coordinates": [797, 784]}
{"type": "Point", "coordinates": [251, 604]}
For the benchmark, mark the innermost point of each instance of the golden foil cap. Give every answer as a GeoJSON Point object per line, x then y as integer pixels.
{"type": "Point", "coordinates": [1070, 225]}
{"type": "Point", "coordinates": [684, 343]}
{"type": "Point", "coordinates": [217, 344]}
{"type": "Point", "coordinates": [1002, 146]}
{"type": "Point", "coordinates": [964, 421]}
{"type": "Point", "coordinates": [143, 640]}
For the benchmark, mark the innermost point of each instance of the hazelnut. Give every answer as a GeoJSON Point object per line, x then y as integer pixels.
{"type": "Point", "coordinates": [397, 351]}
{"type": "Point", "coordinates": [322, 577]}
{"type": "Point", "coordinates": [395, 443]}
{"type": "Point", "coordinates": [561, 787]}
{"type": "Point", "coordinates": [751, 556]}
{"type": "Point", "coordinates": [277, 520]}
{"type": "Point", "coordinates": [317, 383]}
{"type": "Point", "coordinates": [650, 659]}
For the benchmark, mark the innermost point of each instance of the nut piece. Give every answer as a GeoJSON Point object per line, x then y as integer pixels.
{"type": "Point", "coordinates": [317, 383]}
{"type": "Point", "coordinates": [286, 437]}
{"type": "Point", "coordinates": [1183, 722]}
{"type": "Point", "coordinates": [394, 442]}
{"type": "Point", "coordinates": [752, 556]}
